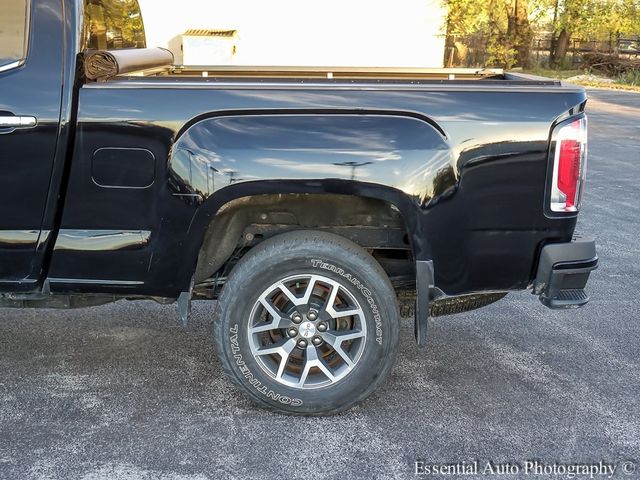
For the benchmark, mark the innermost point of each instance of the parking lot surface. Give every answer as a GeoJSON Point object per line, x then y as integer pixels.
{"type": "Point", "coordinates": [122, 392]}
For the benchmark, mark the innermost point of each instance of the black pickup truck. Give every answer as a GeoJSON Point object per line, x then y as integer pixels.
{"type": "Point", "coordinates": [311, 203]}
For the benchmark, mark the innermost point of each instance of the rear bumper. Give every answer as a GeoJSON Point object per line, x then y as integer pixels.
{"type": "Point", "coordinates": [563, 272]}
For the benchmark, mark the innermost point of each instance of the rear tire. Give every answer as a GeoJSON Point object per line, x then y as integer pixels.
{"type": "Point", "coordinates": [307, 324]}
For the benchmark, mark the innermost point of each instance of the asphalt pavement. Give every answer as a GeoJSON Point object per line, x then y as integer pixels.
{"type": "Point", "coordinates": [122, 392]}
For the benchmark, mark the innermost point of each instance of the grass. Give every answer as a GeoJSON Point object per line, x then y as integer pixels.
{"type": "Point", "coordinates": [557, 74]}
{"type": "Point", "coordinates": [609, 86]}
{"type": "Point", "coordinates": [631, 78]}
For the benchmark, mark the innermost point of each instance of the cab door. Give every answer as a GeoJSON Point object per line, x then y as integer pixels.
{"type": "Point", "coordinates": [31, 67]}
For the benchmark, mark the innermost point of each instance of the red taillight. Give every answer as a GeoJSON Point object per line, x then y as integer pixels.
{"type": "Point", "coordinates": [569, 170]}
{"type": "Point", "coordinates": [569, 166]}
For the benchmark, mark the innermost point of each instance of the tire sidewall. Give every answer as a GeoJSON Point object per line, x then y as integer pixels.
{"type": "Point", "coordinates": [372, 291]}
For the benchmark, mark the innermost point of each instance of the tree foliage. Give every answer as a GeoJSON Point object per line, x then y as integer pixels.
{"type": "Point", "coordinates": [507, 26]}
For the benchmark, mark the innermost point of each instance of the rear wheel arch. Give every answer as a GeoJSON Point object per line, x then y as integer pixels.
{"type": "Point", "coordinates": [223, 223]}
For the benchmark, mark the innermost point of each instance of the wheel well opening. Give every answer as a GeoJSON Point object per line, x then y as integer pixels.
{"type": "Point", "coordinates": [375, 225]}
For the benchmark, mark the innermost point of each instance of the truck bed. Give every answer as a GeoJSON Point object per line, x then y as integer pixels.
{"type": "Point", "coordinates": [367, 74]}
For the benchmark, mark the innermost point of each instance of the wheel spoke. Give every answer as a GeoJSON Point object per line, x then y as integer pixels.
{"type": "Point", "coordinates": [289, 294]}
{"type": "Point", "coordinates": [346, 313]}
{"type": "Point", "coordinates": [283, 350]}
{"type": "Point", "coordinates": [331, 300]}
{"type": "Point", "coordinates": [336, 340]}
{"type": "Point", "coordinates": [286, 350]}
{"type": "Point", "coordinates": [278, 321]}
{"type": "Point", "coordinates": [311, 357]}
{"type": "Point", "coordinates": [326, 371]}
{"type": "Point", "coordinates": [311, 361]}
{"type": "Point", "coordinates": [307, 293]}
{"type": "Point", "coordinates": [297, 301]}
{"type": "Point", "coordinates": [275, 324]}
{"type": "Point", "coordinates": [269, 307]}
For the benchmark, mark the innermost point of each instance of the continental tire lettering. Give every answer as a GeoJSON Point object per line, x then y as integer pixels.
{"type": "Point", "coordinates": [253, 381]}
{"type": "Point", "coordinates": [364, 290]}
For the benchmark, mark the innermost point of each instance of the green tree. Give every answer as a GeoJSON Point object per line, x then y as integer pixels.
{"type": "Point", "coordinates": [504, 24]}
{"type": "Point", "coordinates": [591, 19]}
{"type": "Point", "coordinates": [519, 31]}
{"type": "Point", "coordinates": [507, 26]}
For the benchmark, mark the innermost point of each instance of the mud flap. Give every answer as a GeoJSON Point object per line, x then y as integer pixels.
{"type": "Point", "coordinates": [424, 284]}
{"type": "Point", "coordinates": [184, 305]}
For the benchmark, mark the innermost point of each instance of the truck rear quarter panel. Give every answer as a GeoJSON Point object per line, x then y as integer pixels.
{"type": "Point", "coordinates": [465, 167]}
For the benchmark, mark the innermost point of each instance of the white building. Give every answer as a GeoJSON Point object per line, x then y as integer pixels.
{"type": "Point", "coordinates": [407, 33]}
{"type": "Point", "coordinates": [208, 47]}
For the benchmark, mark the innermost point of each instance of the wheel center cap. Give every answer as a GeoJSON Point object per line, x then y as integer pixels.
{"type": "Point", "coordinates": [307, 329]}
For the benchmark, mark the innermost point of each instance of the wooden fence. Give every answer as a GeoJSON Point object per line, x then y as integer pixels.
{"type": "Point", "coordinates": [470, 50]}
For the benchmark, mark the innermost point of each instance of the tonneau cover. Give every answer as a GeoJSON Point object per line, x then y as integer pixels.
{"type": "Point", "coordinates": [103, 64]}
